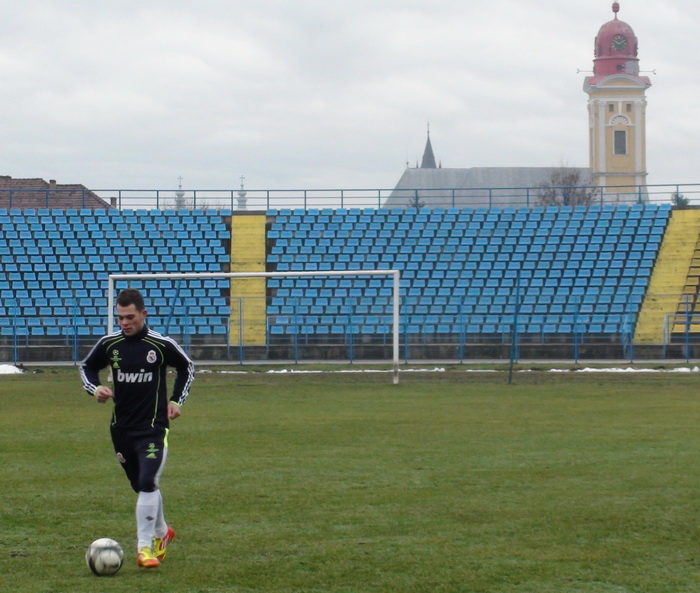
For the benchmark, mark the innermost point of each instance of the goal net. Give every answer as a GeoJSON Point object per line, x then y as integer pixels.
{"type": "Point", "coordinates": [219, 315]}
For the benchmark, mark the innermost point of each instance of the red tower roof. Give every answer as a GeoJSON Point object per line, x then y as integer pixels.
{"type": "Point", "coordinates": [615, 48]}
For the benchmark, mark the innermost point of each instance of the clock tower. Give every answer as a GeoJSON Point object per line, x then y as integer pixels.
{"type": "Point", "coordinates": [617, 108]}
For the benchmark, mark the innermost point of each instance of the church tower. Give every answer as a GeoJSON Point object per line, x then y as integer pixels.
{"type": "Point", "coordinates": [617, 108]}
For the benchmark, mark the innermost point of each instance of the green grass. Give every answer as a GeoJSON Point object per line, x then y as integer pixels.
{"type": "Point", "coordinates": [449, 482]}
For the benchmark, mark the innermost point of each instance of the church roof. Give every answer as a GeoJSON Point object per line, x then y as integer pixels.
{"type": "Point", "coordinates": [472, 187]}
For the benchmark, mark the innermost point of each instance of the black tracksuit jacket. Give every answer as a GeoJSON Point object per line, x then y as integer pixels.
{"type": "Point", "coordinates": [139, 366]}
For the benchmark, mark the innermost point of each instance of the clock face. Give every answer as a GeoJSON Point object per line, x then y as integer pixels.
{"type": "Point", "coordinates": [618, 43]}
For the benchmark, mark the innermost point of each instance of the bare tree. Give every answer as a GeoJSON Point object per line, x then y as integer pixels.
{"type": "Point", "coordinates": [566, 187]}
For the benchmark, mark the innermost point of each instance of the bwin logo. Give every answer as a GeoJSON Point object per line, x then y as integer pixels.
{"type": "Point", "coordinates": [141, 377]}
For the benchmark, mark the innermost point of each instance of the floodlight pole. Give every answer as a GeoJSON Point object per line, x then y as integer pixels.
{"type": "Point", "coordinates": [396, 274]}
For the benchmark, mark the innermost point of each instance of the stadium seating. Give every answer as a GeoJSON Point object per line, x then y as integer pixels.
{"type": "Point", "coordinates": [55, 263]}
{"type": "Point", "coordinates": [465, 272]}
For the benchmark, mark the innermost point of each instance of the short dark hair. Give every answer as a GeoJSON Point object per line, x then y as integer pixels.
{"type": "Point", "coordinates": [131, 296]}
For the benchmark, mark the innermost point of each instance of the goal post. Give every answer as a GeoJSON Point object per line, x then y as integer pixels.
{"type": "Point", "coordinates": [394, 274]}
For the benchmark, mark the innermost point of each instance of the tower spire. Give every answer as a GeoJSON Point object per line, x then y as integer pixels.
{"type": "Point", "coordinates": [428, 156]}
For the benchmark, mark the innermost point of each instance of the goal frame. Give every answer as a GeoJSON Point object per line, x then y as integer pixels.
{"type": "Point", "coordinates": [396, 291]}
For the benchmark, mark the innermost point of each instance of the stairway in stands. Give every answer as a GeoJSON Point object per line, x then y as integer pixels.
{"type": "Point", "coordinates": [689, 303]}
{"type": "Point", "coordinates": [248, 325]}
{"type": "Point", "coordinates": [670, 277]}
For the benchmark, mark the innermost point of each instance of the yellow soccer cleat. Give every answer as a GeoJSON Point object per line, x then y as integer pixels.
{"type": "Point", "coordinates": [147, 559]}
{"type": "Point", "coordinates": [160, 544]}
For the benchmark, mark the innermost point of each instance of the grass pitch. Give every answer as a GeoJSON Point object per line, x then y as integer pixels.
{"type": "Point", "coordinates": [449, 482]}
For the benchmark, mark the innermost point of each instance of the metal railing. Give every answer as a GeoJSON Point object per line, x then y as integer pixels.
{"type": "Point", "coordinates": [277, 199]}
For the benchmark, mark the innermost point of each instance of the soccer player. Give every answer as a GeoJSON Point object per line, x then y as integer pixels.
{"type": "Point", "coordinates": [138, 358]}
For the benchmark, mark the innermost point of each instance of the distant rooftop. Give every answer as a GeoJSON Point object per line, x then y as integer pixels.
{"type": "Point", "coordinates": [39, 193]}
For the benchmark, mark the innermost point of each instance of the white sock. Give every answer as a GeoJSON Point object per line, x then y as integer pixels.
{"type": "Point", "coordinates": [146, 515]}
{"type": "Point", "coordinates": [161, 525]}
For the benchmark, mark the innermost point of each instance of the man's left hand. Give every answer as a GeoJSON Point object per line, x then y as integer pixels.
{"type": "Point", "coordinates": [173, 410]}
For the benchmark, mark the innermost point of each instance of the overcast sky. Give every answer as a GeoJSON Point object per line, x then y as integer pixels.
{"type": "Point", "coordinates": [324, 93]}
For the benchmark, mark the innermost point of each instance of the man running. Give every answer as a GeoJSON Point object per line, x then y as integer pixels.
{"type": "Point", "coordinates": [138, 358]}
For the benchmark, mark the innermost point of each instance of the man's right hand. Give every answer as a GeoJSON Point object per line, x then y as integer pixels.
{"type": "Point", "coordinates": [102, 394]}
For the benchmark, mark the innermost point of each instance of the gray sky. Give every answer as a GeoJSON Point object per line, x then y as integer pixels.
{"type": "Point", "coordinates": [324, 94]}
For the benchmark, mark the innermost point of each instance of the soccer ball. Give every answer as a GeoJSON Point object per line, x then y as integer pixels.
{"type": "Point", "coordinates": [104, 557]}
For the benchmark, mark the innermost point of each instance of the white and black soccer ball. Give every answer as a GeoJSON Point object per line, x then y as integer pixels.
{"type": "Point", "coordinates": [104, 557]}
